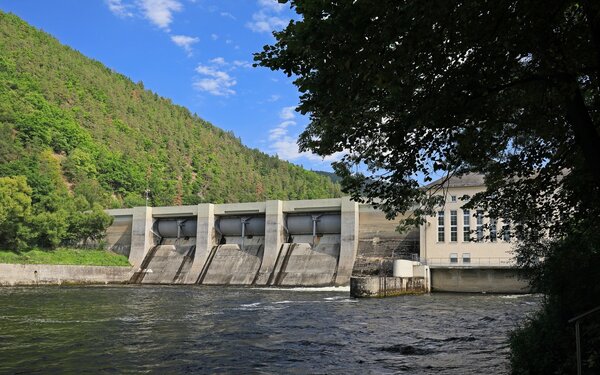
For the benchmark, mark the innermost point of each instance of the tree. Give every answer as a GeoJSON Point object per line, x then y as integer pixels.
{"type": "Point", "coordinates": [415, 89]}
{"type": "Point", "coordinates": [15, 212]}
{"type": "Point", "coordinates": [89, 225]}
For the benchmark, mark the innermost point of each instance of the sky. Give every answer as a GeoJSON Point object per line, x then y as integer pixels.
{"type": "Point", "coordinates": [198, 53]}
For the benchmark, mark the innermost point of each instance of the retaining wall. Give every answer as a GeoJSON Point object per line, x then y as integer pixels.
{"type": "Point", "coordinates": [43, 274]}
{"type": "Point", "coordinates": [478, 280]}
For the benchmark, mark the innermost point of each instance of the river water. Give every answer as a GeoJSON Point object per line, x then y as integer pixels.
{"type": "Point", "coordinates": [179, 329]}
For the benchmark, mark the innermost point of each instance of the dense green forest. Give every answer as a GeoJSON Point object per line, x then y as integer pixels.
{"type": "Point", "coordinates": [78, 130]}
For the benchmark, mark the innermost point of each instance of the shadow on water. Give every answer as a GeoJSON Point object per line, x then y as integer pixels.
{"type": "Point", "coordinates": [163, 329]}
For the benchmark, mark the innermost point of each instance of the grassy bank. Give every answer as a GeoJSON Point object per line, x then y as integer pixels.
{"type": "Point", "coordinates": [64, 256]}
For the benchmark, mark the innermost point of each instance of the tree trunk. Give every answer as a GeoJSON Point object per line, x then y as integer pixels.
{"type": "Point", "coordinates": [586, 135]}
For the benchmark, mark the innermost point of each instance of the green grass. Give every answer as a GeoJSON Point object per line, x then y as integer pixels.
{"type": "Point", "coordinates": [80, 257]}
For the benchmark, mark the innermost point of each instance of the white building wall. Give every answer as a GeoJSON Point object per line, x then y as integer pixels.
{"type": "Point", "coordinates": [481, 253]}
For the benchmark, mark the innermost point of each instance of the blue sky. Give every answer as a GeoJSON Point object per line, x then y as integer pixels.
{"type": "Point", "coordinates": [196, 52]}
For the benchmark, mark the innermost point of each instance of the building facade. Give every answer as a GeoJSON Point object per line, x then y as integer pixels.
{"type": "Point", "coordinates": [458, 237]}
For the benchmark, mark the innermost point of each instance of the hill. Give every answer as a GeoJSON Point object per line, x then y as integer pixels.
{"type": "Point", "coordinates": [330, 175]}
{"type": "Point", "coordinates": [72, 126]}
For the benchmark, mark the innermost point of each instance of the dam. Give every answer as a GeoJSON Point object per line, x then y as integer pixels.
{"type": "Point", "coordinates": [309, 243]}
{"type": "Point", "coordinates": [300, 243]}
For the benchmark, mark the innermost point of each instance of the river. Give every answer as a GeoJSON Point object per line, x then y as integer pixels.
{"type": "Point", "coordinates": [179, 329]}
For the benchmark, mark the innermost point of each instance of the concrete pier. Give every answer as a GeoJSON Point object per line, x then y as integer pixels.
{"type": "Point", "coordinates": [205, 240]}
{"type": "Point", "coordinates": [274, 239]}
{"type": "Point", "coordinates": [141, 234]}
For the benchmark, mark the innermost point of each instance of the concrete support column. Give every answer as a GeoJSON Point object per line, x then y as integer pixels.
{"type": "Point", "coordinates": [423, 241]}
{"type": "Point", "coordinates": [274, 234]}
{"type": "Point", "coordinates": [142, 238]}
{"type": "Point", "coordinates": [349, 241]}
{"type": "Point", "coordinates": [205, 240]}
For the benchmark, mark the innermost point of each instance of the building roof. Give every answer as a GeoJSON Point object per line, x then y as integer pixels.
{"type": "Point", "coordinates": [470, 179]}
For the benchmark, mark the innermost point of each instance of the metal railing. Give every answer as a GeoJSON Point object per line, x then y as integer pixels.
{"type": "Point", "coordinates": [577, 321]}
{"type": "Point", "coordinates": [472, 262]}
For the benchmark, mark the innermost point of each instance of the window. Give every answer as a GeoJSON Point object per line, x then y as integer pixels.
{"type": "Point", "coordinates": [453, 258]}
{"type": "Point", "coordinates": [479, 225]}
{"type": "Point", "coordinates": [493, 232]}
{"type": "Point", "coordinates": [466, 257]}
{"type": "Point", "coordinates": [506, 232]}
{"type": "Point", "coordinates": [466, 225]}
{"type": "Point", "coordinates": [441, 234]}
{"type": "Point", "coordinates": [453, 198]}
{"type": "Point", "coordinates": [453, 226]}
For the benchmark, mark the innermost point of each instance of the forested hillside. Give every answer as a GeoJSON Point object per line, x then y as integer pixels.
{"type": "Point", "coordinates": [74, 127]}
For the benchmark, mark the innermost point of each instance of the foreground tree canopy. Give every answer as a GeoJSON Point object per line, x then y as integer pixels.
{"type": "Point", "coordinates": [507, 88]}
{"type": "Point", "coordinates": [510, 89]}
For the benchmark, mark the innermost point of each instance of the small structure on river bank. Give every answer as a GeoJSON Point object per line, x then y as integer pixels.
{"type": "Point", "coordinates": [386, 286]}
{"type": "Point", "coordinates": [408, 277]}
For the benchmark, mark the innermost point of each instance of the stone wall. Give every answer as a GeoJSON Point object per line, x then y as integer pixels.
{"type": "Point", "coordinates": [40, 274]}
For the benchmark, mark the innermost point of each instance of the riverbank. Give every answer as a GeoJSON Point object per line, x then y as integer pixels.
{"type": "Point", "coordinates": [64, 256]}
{"type": "Point", "coordinates": [63, 266]}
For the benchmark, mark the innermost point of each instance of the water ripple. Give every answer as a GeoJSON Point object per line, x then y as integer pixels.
{"type": "Point", "coordinates": [164, 329]}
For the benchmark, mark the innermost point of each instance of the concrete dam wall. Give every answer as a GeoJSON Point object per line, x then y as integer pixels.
{"type": "Point", "coordinates": [273, 243]}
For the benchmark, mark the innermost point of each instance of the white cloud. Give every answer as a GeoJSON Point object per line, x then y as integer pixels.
{"type": "Point", "coordinates": [286, 124]}
{"type": "Point", "coordinates": [274, 98]}
{"type": "Point", "coordinates": [242, 64]}
{"type": "Point", "coordinates": [160, 12]}
{"type": "Point", "coordinates": [119, 9]}
{"type": "Point", "coordinates": [214, 81]}
{"type": "Point", "coordinates": [185, 42]}
{"type": "Point", "coordinates": [218, 61]}
{"type": "Point", "coordinates": [214, 36]}
{"type": "Point", "coordinates": [228, 15]}
{"type": "Point", "coordinates": [265, 23]}
{"type": "Point", "coordinates": [287, 113]}
{"type": "Point", "coordinates": [276, 133]}
{"type": "Point", "coordinates": [280, 132]}
{"type": "Point", "coordinates": [285, 146]}
{"type": "Point", "coordinates": [272, 5]}
{"type": "Point", "coordinates": [267, 18]}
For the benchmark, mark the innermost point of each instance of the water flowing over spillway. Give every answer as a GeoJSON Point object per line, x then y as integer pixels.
{"type": "Point", "coordinates": [197, 329]}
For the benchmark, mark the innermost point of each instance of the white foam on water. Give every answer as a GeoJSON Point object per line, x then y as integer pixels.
{"type": "Point", "coordinates": [514, 296]}
{"type": "Point", "coordinates": [334, 298]}
{"type": "Point", "coordinates": [250, 304]}
{"type": "Point", "coordinates": [260, 308]}
{"type": "Point", "coordinates": [346, 300]}
{"type": "Point", "coordinates": [339, 289]}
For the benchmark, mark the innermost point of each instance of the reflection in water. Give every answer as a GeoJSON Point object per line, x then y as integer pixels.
{"type": "Point", "coordinates": [164, 329]}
